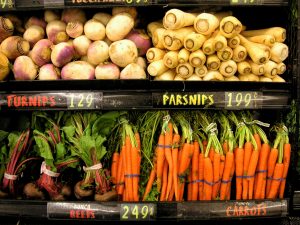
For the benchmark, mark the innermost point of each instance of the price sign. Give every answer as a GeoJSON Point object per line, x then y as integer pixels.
{"type": "Point", "coordinates": [25, 4]}
{"type": "Point", "coordinates": [7, 4]}
{"type": "Point", "coordinates": [88, 100]}
{"type": "Point", "coordinates": [246, 2]}
{"type": "Point", "coordinates": [137, 211]}
{"type": "Point", "coordinates": [110, 2]}
{"type": "Point", "coordinates": [53, 3]}
{"type": "Point", "coordinates": [243, 100]}
{"type": "Point", "coordinates": [137, 2]}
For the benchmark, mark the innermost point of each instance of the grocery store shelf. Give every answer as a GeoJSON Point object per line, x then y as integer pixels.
{"type": "Point", "coordinates": [115, 211]}
{"type": "Point", "coordinates": [296, 201]}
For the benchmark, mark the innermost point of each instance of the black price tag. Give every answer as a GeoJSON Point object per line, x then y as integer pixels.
{"type": "Point", "coordinates": [53, 3]}
{"type": "Point", "coordinates": [243, 100]}
{"type": "Point", "coordinates": [7, 4]}
{"type": "Point", "coordinates": [84, 100]}
{"type": "Point", "coordinates": [107, 2]}
{"type": "Point", "coordinates": [137, 211]}
{"type": "Point", "coordinates": [246, 2]}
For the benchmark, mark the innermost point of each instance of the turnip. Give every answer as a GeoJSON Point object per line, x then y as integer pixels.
{"type": "Point", "coordinates": [123, 20]}
{"type": "Point", "coordinates": [81, 44]}
{"type": "Point", "coordinates": [97, 52]}
{"type": "Point", "coordinates": [123, 52]}
{"type": "Point", "coordinates": [56, 31]}
{"type": "Point", "coordinates": [16, 21]}
{"type": "Point", "coordinates": [107, 71]}
{"type": "Point", "coordinates": [33, 34]}
{"type": "Point", "coordinates": [41, 52]}
{"type": "Point", "coordinates": [62, 53]}
{"type": "Point", "coordinates": [130, 10]}
{"type": "Point", "coordinates": [141, 62]}
{"type": "Point", "coordinates": [72, 15]}
{"type": "Point", "coordinates": [32, 191]}
{"type": "Point", "coordinates": [14, 46]}
{"type": "Point", "coordinates": [133, 71]}
{"type": "Point", "coordinates": [141, 40]}
{"type": "Point", "coordinates": [74, 29]}
{"type": "Point", "coordinates": [6, 28]}
{"type": "Point", "coordinates": [35, 21]}
{"type": "Point", "coordinates": [78, 70]}
{"type": "Point", "coordinates": [50, 15]}
{"type": "Point", "coordinates": [94, 30]}
{"type": "Point", "coordinates": [24, 68]}
{"type": "Point", "coordinates": [84, 58]}
{"type": "Point", "coordinates": [49, 72]}
{"type": "Point", "coordinates": [4, 66]}
{"type": "Point", "coordinates": [104, 18]}
{"type": "Point", "coordinates": [108, 42]}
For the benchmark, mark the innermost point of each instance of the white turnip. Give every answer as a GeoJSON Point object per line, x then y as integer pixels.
{"type": "Point", "coordinates": [56, 31]}
{"type": "Point", "coordinates": [94, 30]}
{"type": "Point", "coordinates": [62, 53]}
{"type": "Point", "coordinates": [41, 52]}
{"type": "Point", "coordinates": [107, 71]}
{"type": "Point", "coordinates": [4, 66]}
{"type": "Point", "coordinates": [33, 34]}
{"type": "Point", "coordinates": [49, 72]}
{"type": "Point", "coordinates": [104, 18]}
{"type": "Point", "coordinates": [133, 71]}
{"type": "Point", "coordinates": [97, 52]}
{"type": "Point", "coordinates": [74, 29]}
{"type": "Point", "coordinates": [81, 44]}
{"type": "Point", "coordinates": [14, 46]}
{"type": "Point", "coordinates": [35, 21]}
{"type": "Point", "coordinates": [24, 68]}
{"type": "Point", "coordinates": [6, 28]}
{"type": "Point", "coordinates": [50, 15]}
{"type": "Point", "coordinates": [123, 20]}
{"type": "Point", "coordinates": [141, 40]}
{"type": "Point", "coordinates": [130, 10]}
{"type": "Point", "coordinates": [123, 52]}
{"type": "Point", "coordinates": [73, 15]}
{"type": "Point", "coordinates": [78, 70]}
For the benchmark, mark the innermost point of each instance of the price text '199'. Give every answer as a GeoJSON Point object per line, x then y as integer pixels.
{"type": "Point", "coordinates": [237, 100]}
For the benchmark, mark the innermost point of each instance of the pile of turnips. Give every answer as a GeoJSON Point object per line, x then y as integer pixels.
{"type": "Point", "coordinates": [73, 47]}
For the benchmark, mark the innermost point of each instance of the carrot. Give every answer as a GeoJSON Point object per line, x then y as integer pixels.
{"type": "Point", "coordinates": [185, 159]}
{"type": "Point", "coordinates": [128, 173]}
{"type": "Point", "coordinates": [190, 186]}
{"type": "Point", "coordinates": [121, 172]}
{"type": "Point", "coordinates": [257, 140]}
{"type": "Point", "coordinates": [271, 166]}
{"type": "Point", "coordinates": [201, 176]}
{"type": "Point", "coordinates": [277, 176]}
{"type": "Point", "coordinates": [247, 156]}
{"type": "Point", "coordinates": [263, 190]}
{"type": "Point", "coordinates": [216, 174]}
{"type": "Point", "coordinates": [239, 162]}
{"type": "Point", "coordinates": [208, 178]}
{"type": "Point", "coordinates": [125, 197]}
{"type": "Point", "coordinates": [138, 139]}
{"type": "Point", "coordinates": [171, 195]}
{"type": "Point", "coordinates": [164, 182]}
{"type": "Point", "coordinates": [195, 171]}
{"type": "Point", "coordinates": [222, 166]}
{"type": "Point", "coordinates": [176, 140]}
{"type": "Point", "coordinates": [135, 172]}
{"type": "Point", "coordinates": [160, 160]}
{"type": "Point", "coordinates": [262, 166]}
{"type": "Point", "coordinates": [225, 147]}
{"type": "Point", "coordinates": [226, 175]}
{"type": "Point", "coordinates": [114, 167]}
{"type": "Point", "coordinates": [168, 154]}
{"type": "Point", "coordinates": [251, 172]}
{"type": "Point", "coordinates": [228, 195]}
{"type": "Point", "coordinates": [149, 183]}
{"type": "Point", "coordinates": [286, 162]}
{"type": "Point", "coordinates": [211, 154]}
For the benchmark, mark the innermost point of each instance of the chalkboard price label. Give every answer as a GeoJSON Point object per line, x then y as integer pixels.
{"type": "Point", "coordinates": [246, 2]}
{"type": "Point", "coordinates": [7, 4]}
{"type": "Point", "coordinates": [138, 211]}
{"type": "Point", "coordinates": [243, 100]}
{"type": "Point", "coordinates": [88, 100]}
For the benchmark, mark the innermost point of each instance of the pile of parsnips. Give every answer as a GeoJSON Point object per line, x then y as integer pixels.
{"type": "Point", "coordinates": [214, 47]}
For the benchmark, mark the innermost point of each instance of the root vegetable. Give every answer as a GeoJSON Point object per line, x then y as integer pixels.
{"type": "Point", "coordinates": [230, 26]}
{"type": "Point", "coordinates": [278, 32]}
{"type": "Point", "coordinates": [171, 59]}
{"type": "Point", "coordinates": [94, 30]}
{"type": "Point", "coordinates": [183, 55]}
{"type": "Point", "coordinates": [14, 46]}
{"type": "Point", "coordinates": [130, 10]}
{"type": "Point", "coordinates": [41, 52]}
{"type": "Point", "coordinates": [233, 42]}
{"type": "Point", "coordinates": [206, 23]}
{"type": "Point", "coordinates": [213, 62]}
{"type": "Point", "coordinates": [173, 39]}
{"type": "Point", "coordinates": [81, 193]}
{"type": "Point", "coordinates": [157, 38]}
{"type": "Point", "coordinates": [176, 19]}
{"type": "Point", "coordinates": [157, 68]}
{"type": "Point", "coordinates": [3, 195]}
{"type": "Point", "coordinates": [141, 40]}
{"type": "Point", "coordinates": [185, 70]}
{"type": "Point", "coordinates": [58, 197]}
{"type": "Point", "coordinates": [17, 23]}
{"type": "Point", "coordinates": [6, 28]}
{"type": "Point", "coordinates": [281, 68]}
{"type": "Point", "coordinates": [81, 45]}
{"type": "Point", "coordinates": [168, 75]}
{"type": "Point", "coordinates": [103, 18]}
{"type": "Point", "coordinates": [56, 31]}
{"type": "Point", "coordinates": [123, 52]}
{"type": "Point", "coordinates": [213, 76]}
{"type": "Point", "coordinates": [279, 52]}
{"type": "Point", "coordinates": [107, 71]}
{"type": "Point", "coordinates": [208, 46]}
{"type": "Point", "coordinates": [219, 42]}
{"type": "Point", "coordinates": [270, 69]}
{"type": "Point", "coordinates": [4, 66]}
{"type": "Point", "coordinates": [62, 53]}
{"type": "Point", "coordinates": [197, 58]}
{"type": "Point", "coordinates": [201, 71]}
{"type": "Point", "coordinates": [73, 15]}
{"type": "Point", "coordinates": [244, 67]}
{"type": "Point", "coordinates": [24, 68]}
{"type": "Point", "coordinates": [84, 58]}
{"type": "Point", "coordinates": [133, 71]}
{"type": "Point", "coordinates": [265, 79]}
{"type": "Point", "coordinates": [239, 53]}
{"type": "Point", "coordinates": [141, 62]}
{"type": "Point", "coordinates": [113, 31]}
{"type": "Point", "coordinates": [78, 70]}
{"type": "Point", "coordinates": [178, 78]}
{"type": "Point", "coordinates": [151, 27]}
{"type": "Point", "coordinates": [278, 79]}
{"type": "Point", "coordinates": [248, 77]}
{"type": "Point", "coordinates": [50, 15]}
{"type": "Point", "coordinates": [74, 29]}
{"type": "Point", "coordinates": [66, 190]}
{"type": "Point", "coordinates": [35, 21]}
{"type": "Point", "coordinates": [97, 52]}
{"type": "Point", "coordinates": [232, 78]}
{"type": "Point", "coordinates": [108, 196]}
{"type": "Point", "coordinates": [228, 68]}
{"type": "Point", "coordinates": [257, 69]}
{"type": "Point", "coordinates": [49, 72]}
{"type": "Point", "coordinates": [194, 77]}
{"type": "Point", "coordinates": [225, 54]}
{"type": "Point", "coordinates": [33, 34]}
{"type": "Point", "coordinates": [32, 191]}
{"type": "Point", "coordinates": [155, 54]}
{"type": "Point", "coordinates": [265, 39]}
{"type": "Point", "coordinates": [194, 41]}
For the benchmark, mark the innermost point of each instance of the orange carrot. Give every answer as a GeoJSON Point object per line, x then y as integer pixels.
{"type": "Point", "coordinates": [263, 189]}
{"type": "Point", "coordinates": [257, 140]}
{"type": "Point", "coordinates": [286, 162]}
{"type": "Point", "coordinates": [211, 154]}
{"type": "Point", "coordinates": [138, 139]}
{"type": "Point", "coordinates": [201, 176]}
{"type": "Point", "coordinates": [251, 172]}
{"type": "Point", "coordinates": [195, 172]}
{"type": "Point", "coordinates": [278, 172]}
{"type": "Point", "coordinates": [185, 159]}
{"type": "Point", "coordinates": [164, 182]}
{"type": "Point", "coordinates": [176, 140]}
{"type": "Point", "coordinates": [121, 172]}
{"type": "Point", "coordinates": [216, 174]}
{"type": "Point", "coordinates": [171, 195]}
{"type": "Point", "coordinates": [222, 166]}
{"type": "Point", "coordinates": [208, 178]}
{"type": "Point", "coordinates": [168, 154]}
{"type": "Point", "coordinates": [247, 156]}
{"type": "Point", "coordinates": [228, 195]}
{"type": "Point", "coordinates": [114, 167]}
{"type": "Point", "coordinates": [271, 166]}
{"type": "Point", "coordinates": [128, 162]}
{"type": "Point", "coordinates": [160, 160]}
{"type": "Point", "coordinates": [225, 147]}
{"type": "Point", "coordinates": [239, 162]}
{"type": "Point", "coordinates": [190, 186]}
{"type": "Point", "coordinates": [135, 172]}
{"type": "Point", "coordinates": [226, 175]}
{"type": "Point", "coordinates": [125, 197]}
{"type": "Point", "coordinates": [149, 183]}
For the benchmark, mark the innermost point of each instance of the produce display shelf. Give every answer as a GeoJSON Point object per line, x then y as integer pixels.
{"type": "Point", "coordinates": [296, 201]}
{"type": "Point", "coordinates": [120, 94]}
{"type": "Point", "coordinates": [116, 211]}
{"type": "Point", "coordinates": [11, 5]}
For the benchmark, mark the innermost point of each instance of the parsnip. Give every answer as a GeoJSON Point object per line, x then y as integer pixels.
{"type": "Point", "coordinates": [233, 42]}
{"type": "Point", "coordinates": [171, 59]}
{"type": "Point", "coordinates": [278, 79]}
{"type": "Point", "coordinates": [233, 78]}
{"type": "Point", "coordinates": [257, 69]}
{"type": "Point", "coordinates": [155, 54]}
{"type": "Point", "coordinates": [201, 71]}
{"type": "Point", "coordinates": [213, 76]}
{"type": "Point", "coordinates": [279, 52]}
{"type": "Point", "coordinates": [157, 38]}
{"type": "Point", "coordinates": [208, 46]}
{"type": "Point", "coordinates": [228, 68]}
{"type": "Point", "coordinates": [194, 41]}
{"type": "Point", "coordinates": [281, 68]}
{"type": "Point", "coordinates": [178, 78]}
{"type": "Point", "coordinates": [194, 77]}
{"type": "Point", "coordinates": [151, 27]}
{"type": "Point", "coordinates": [183, 55]}
{"type": "Point", "coordinates": [225, 54]}
{"type": "Point", "coordinates": [197, 58]}
{"type": "Point", "coordinates": [173, 39]}
{"type": "Point", "coordinates": [176, 19]}
{"type": "Point", "coordinates": [230, 26]}
{"type": "Point", "coordinates": [265, 39]}
{"type": "Point", "coordinates": [206, 23]}
{"type": "Point", "coordinates": [239, 53]}
{"type": "Point", "coordinates": [185, 70]}
{"type": "Point", "coordinates": [219, 42]}
{"type": "Point", "coordinates": [213, 62]}
{"type": "Point", "coordinates": [278, 32]}
{"type": "Point", "coordinates": [265, 79]}
{"type": "Point", "coordinates": [244, 67]}
{"type": "Point", "coordinates": [157, 68]}
{"type": "Point", "coordinates": [270, 69]}
{"type": "Point", "coordinates": [248, 77]}
{"type": "Point", "coordinates": [168, 75]}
